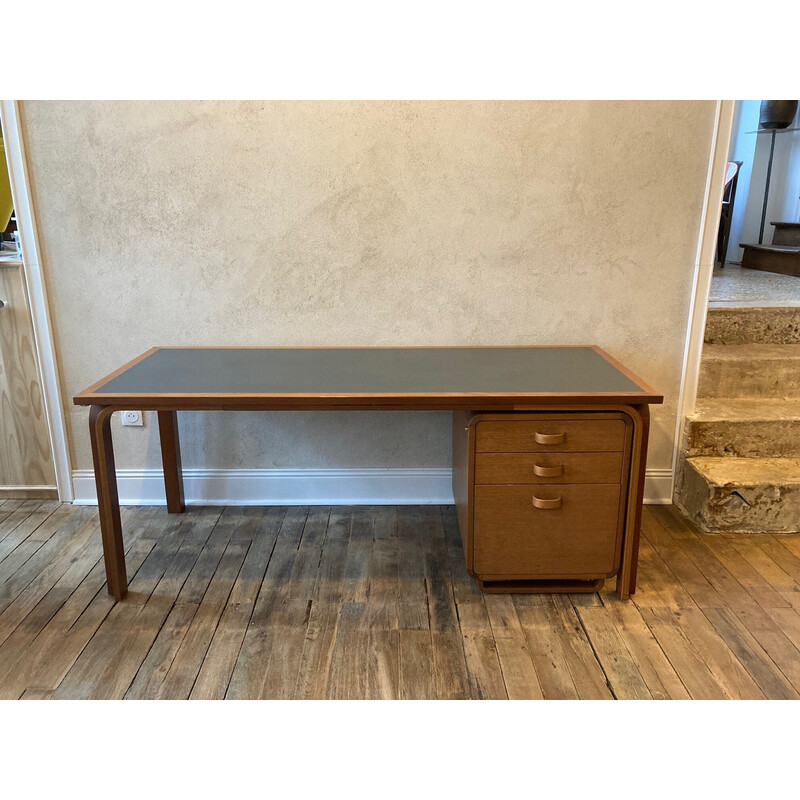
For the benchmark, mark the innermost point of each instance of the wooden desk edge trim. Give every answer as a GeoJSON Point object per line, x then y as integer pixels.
{"type": "Point", "coordinates": [111, 375]}
{"type": "Point", "coordinates": [355, 401]}
{"type": "Point", "coordinates": [643, 385]}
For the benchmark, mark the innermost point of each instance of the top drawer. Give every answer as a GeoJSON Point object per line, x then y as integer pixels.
{"type": "Point", "coordinates": [549, 435]}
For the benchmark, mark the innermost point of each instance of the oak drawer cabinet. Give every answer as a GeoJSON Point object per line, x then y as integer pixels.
{"type": "Point", "coordinates": [542, 497]}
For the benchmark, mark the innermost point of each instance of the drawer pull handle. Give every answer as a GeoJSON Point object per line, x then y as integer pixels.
{"type": "Point", "coordinates": [548, 472]}
{"type": "Point", "coordinates": [549, 438]}
{"type": "Point", "coordinates": [539, 502]}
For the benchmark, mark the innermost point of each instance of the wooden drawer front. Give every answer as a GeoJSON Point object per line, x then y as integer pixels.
{"type": "Point", "coordinates": [539, 468]}
{"type": "Point", "coordinates": [514, 538]}
{"type": "Point", "coordinates": [551, 435]}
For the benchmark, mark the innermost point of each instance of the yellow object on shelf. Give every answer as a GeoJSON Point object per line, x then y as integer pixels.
{"type": "Point", "coordinates": [6, 203]}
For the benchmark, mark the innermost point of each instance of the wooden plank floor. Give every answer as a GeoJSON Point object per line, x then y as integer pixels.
{"type": "Point", "coordinates": [375, 602]}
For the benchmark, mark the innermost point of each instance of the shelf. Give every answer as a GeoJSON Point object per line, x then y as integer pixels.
{"type": "Point", "coordinates": [774, 130]}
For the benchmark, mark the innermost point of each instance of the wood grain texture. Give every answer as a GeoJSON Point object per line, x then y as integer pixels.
{"type": "Point", "coordinates": [108, 500]}
{"type": "Point", "coordinates": [25, 454]}
{"type": "Point", "coordinates": [548, 468]}
{"type": "Point", "coordinates": [171, 460]}
{"type": "Point", "coordinates": [534, 435]}
{"type": "Point", "coordinates": [376, 602]}
{"type": "Point", "coordinates": [516, 537]}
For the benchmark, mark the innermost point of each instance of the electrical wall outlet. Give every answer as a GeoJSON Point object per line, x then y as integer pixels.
{"type": "Point", "coordinates": [132, 418]}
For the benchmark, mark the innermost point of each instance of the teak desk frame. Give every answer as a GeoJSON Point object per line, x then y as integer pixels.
{"type": "Point", "coordinates": [633, 404]}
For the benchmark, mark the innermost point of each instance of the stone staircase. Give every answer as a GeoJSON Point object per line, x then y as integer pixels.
{"type": "Point", "coordinates": [740, 469]}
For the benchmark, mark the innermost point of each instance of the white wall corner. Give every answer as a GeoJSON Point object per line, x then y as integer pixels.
{"type": "Point", "coordinates": [704, 265]}
{"type": "Point", "coordinates": [421, 486]}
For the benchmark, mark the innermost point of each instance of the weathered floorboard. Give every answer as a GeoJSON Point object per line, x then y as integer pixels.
{"type": "Point", "coordinates": [376, 602]}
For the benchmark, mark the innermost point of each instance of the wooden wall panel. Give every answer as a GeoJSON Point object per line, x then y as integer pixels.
{"type": "Point", "coordinates": [25, 455]}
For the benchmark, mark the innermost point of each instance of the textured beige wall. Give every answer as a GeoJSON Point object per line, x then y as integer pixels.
{"type": "Point", "coordinates": [377, 223]}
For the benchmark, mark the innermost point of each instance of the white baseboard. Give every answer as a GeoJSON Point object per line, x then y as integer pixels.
{"type": "Point", "coordinates": [288, 487]}
{"type": "Point", "coordinates": [658, 487]}
{"type": "Point", "coordinates": [285, 487]}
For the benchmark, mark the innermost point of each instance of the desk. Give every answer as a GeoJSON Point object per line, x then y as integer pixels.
{"type": "Point", "coordinates": [576, 404]}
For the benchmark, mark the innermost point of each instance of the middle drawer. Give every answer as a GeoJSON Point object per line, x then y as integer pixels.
{"type": "Point", "coordinates": [533, 468]}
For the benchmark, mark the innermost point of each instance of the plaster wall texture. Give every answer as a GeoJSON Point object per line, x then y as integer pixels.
{"type": "Point", "coordinates": [363, 223]}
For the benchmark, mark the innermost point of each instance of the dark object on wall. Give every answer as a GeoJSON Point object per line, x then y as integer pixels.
{"type": "Point", "coordinates": [776, 114]}
{"type": "Point", "coordinates": [726, 215]}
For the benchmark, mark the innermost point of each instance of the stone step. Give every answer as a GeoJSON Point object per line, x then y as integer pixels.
{"type": "Point", "coordinates": [753, 325]}
{"type": "Point", "coordinates": [741, 495]}
{"type": "Point", "coordinates": [744, 427]}
{"type": "Point", "coordinates": [749, 370]}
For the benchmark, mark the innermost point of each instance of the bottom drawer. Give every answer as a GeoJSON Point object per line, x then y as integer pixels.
{"type": "Point", "coordinates": [576, 537]}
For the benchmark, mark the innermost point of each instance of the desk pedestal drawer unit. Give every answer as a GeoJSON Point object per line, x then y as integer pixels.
{"type": "Point", "coordinates": [549, 442]}
{"type": "Point", "coordinates": [543, 497]}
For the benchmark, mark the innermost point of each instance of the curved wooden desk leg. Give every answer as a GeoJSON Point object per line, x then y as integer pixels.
{"type": "Point", "coordinates": [105, 477]}
{"type": "Point", "coordinates": [171, 460]}
{"type": "Point", "coordinates": [626, 579]}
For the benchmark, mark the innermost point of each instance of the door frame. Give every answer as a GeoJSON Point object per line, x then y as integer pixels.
{"type": "Point", "coordinates": [36, 289]}
{"type": "Point", "coordinates": [703, 269]}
